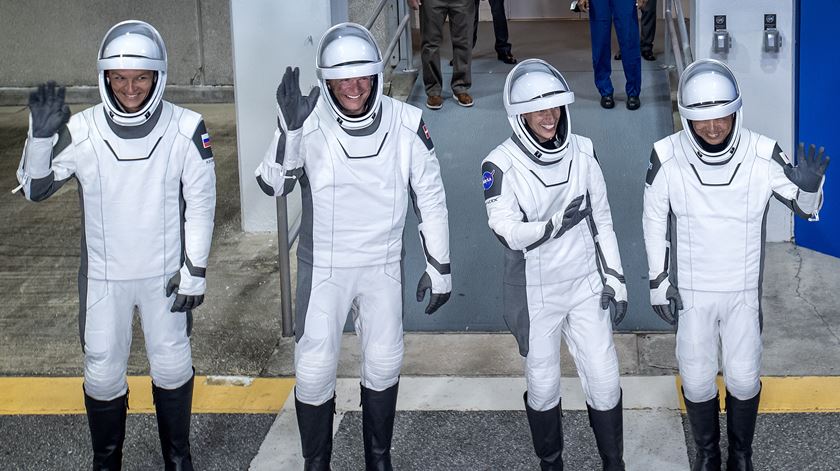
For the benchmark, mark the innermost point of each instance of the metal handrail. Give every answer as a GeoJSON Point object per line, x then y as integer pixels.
{"type": "Point", "coordinates": [678, 34]}
{"type": "Point", "coordinates": [287, 238]}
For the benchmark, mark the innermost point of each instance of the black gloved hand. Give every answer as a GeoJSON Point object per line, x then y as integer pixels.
{"type": "Point", "coordinates": [608, 296]}
{"type": "Point", "coordinates": [436, 300]}
{"type": "Point", "coordinates": [669, 312]}
{"type": "Point", "coordinates": [570, 217]}
{"type": "Point", "coordinates": [294, 107]}
{"type": "Point", "coordinates": [183, 302]}
{"type": "Point", "coordinates": [49, 113]}
{"type": "Point", "coordinates": [809, 169]}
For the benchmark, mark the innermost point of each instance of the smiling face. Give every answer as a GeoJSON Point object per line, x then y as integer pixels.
{"type": "Point", "coordinates": [714, 131]}
{"type": "Point", "coordinates": [131, 87]}
{"type": "Point", "coordinates": [351, 93]}
{"type": "Point", "coordinates": [543, 123]}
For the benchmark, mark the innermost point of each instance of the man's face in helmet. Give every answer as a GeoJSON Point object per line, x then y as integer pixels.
{"type": "Point", "coordinates": [543, 123]}
{"type": "Point", "coordinates": [351, 93]}
{"type": "Point", "coordinates": [714, 131]}
{"type": "Point", "coordinates": [131, 87]}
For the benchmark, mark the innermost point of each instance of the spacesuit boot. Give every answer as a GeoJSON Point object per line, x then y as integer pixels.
{"type": "Point", "coordinates": [315, 424]}
{"type": "Point", "coordinates": [378, 410]}
{"type": "Point", "coordinates": [173, 408]}
{"type": "Point", "coordinates": [608, 427]}
{"type": "Point", "coordinates": [547, 434]}
{"type": "Point", "coordinates": [106, 420]}
{"type": "Point", "coordinates": [740, 428]}
{"type": "Point", "coordinates": [703, 417]}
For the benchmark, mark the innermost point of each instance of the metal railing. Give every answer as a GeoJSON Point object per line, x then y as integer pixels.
{"type": "Point", "coordinates": [399, 33]}
{"type": "Point", "coordinates": [677, 35]}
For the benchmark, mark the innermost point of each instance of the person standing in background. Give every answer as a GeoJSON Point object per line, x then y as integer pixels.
{"type": "Point", "coordinates": [500, 31]}
{"type": "Point", "coordinates": [602, 15]}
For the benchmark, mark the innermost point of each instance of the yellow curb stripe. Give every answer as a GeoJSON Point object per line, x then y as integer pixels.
{"type": "Point", "coordinates": [47, 396]}
{"type": "Point", "coordinates": [789, 394]}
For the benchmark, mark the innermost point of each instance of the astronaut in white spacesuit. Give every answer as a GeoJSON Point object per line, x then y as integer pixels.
{"type": "Point", "coordinates": [706, 198]}
{"type": "Point", "coordinates": [358, 156]}
{"type": "Point", "coordinates": [146, 182]}
{"type": "Point", "coordinates": [547, 203]}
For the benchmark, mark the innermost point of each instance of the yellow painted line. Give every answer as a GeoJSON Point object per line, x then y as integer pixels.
{"type": "Point", "coordinates": [790, 394]}
{"type": "Point", "coordinates": [213, 395]}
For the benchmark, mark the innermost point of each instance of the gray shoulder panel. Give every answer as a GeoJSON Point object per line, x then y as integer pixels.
{"type": "Point", "coordinates": [491, 179]}
{"type": "Point", "coordinates": [653, 167]}
{"type": "Point", "coordinates": [201, 139]}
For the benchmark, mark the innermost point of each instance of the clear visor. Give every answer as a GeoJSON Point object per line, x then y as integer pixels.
{"type": "Point", "coordinates": [714, 95]}
{"type": "Point", "coordinates": [152, 55]}
{"type": "Point", "coordinates": [348, 50]}
{"type": "Point", "coordinates": [535, 85]}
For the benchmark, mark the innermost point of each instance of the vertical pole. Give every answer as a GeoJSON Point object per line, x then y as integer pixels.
{"type": "Point", "coordinates": [406, 50]}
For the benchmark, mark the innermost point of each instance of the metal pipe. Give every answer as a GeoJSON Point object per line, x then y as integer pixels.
{"type": "Point", "coordinates": [286, 323]}
{"type": "Point", "coordinates": [689, 57]}
{"type": "Point", "coordinates": [376, 12]}
{"type": "Point", "coordinates": [669, 18]}
{"type": "Point", "coordinates": [396, 37]}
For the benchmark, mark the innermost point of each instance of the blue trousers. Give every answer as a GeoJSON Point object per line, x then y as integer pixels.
{"type": "Point", "coordinates": [602, 15]}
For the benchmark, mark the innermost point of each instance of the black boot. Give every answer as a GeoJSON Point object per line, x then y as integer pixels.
{"type": "Point", "coordinates": [547, 433]}
{"type": "Point", "coordinates": [378, 410]}
{"type": "Point", "coordinates": [106, 420]}
{"type": "Point", "coordinates": [173, 408]}
{"type": "Point", "coordinates": [609, 435]}
{"type": "Point", "coordinates": [703, 418]}
{"type": "Point", "coordinates": [316, 427]}
{"type": "Point", "coordinates": [740, 428]}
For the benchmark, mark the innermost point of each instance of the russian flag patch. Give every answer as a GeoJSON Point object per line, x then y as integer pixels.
{"type": "Point", "coordinates": [205, 140]}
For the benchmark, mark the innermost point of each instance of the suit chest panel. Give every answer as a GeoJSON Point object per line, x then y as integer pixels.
{"type": "Point", "coordinates": [543, 190]}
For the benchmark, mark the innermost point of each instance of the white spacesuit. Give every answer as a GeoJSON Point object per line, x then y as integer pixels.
{"type": "Point", "coordinates": [356, 173]}
{"type": "Point", "coordinates": [560, 276]}
{"type": "Point", "coordinates": [147, 188]}
{"type": "Point", "coordinates": [705, 211]}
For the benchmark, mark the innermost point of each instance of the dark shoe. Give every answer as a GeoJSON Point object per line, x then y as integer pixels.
{"type": "Point", "coordinates": [451, 62]}
{"type": "Point", "coordinates": [633, 103]}
{"type": "Point", "coordinates": [378, 410]}
{"type": "Point", "coordinates": [507, 58]}
{"type": "Point", "coordinates": [609, 435]}
{"type": "Point", "coordinates": [106, 420]}
{"type": "Point", "coordinates": [434, 102]}
{"type": "Point", "coordinates": [740, 428]}
{"type": "Point", "coordinates": [547, 434]}
{"type": "Point", "coordinates": [173, 408]}
{"type": "Point", "coordinates": [703, 418]}
{"type": "Point", "coordinates": [315, 424]}
{"type": "Point", "coordinates": [617, 56]}
{"type": "Point", "coordinates": [648, 56]}
{"type": "Point", "coordinates": [464, 99]}
{"type": "Point", "coordinates": [607, 102]}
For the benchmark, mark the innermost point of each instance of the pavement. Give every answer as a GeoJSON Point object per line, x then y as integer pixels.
{"type": "Point", "coordinates": [460, 401]}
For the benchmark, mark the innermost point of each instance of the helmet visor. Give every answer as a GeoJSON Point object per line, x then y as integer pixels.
{"type": "Point", "coordinates": [535, 85]}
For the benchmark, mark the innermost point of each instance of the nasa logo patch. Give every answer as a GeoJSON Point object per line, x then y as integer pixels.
{"type": "Point", "coordinates": [487, 180]}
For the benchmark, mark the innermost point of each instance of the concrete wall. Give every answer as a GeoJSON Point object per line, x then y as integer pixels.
{"type": "Point", "coordinates": [46, 39]}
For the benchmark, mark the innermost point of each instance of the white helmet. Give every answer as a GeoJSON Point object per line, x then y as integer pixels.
{"type": "Point", "coordinates": [348, 50]}
{"type": "Point", "coordinates": [708, 90]}
{"type": "Point", "coordinates": [535, 85]}
{"type": "Point", "coordinates": [134, 45]}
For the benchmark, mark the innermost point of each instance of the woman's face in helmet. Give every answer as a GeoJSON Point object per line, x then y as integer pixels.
{"type": "Point", "coordinates": [351, 93]}
{"type": "Point", "coordinates": [543, 123]}
{"type": "Point", "coordinates": [131, 87]}
{"type": "Point", "coordinates": [714, 131]}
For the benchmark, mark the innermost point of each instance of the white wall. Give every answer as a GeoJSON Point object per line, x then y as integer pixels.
{"type": "Point", "coordinates": [766, 79]}
{"type": "Point", "coordinates": [268, 36]}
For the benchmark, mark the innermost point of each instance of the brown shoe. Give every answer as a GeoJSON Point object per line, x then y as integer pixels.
{"type": "Point", "coordinates": [464, 99]}
{"type": "Point", "coordinates": [434, 102]}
